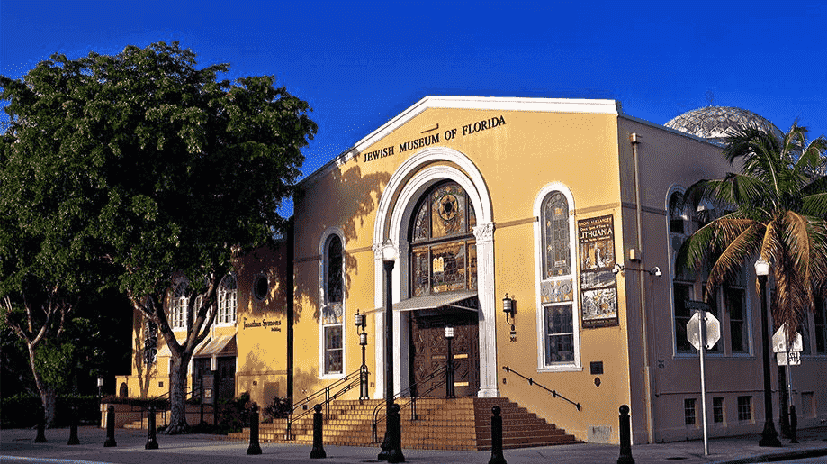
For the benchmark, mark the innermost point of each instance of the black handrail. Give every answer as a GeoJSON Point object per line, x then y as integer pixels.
{"type": "Point", "coordinates": [343, 386]}
{"type": "Point", "coordinates": [412, 388]}
{"type": "Point", "coordinates": [533, 382]}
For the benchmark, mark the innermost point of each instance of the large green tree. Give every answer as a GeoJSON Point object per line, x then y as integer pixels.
{"type": "Point", "coordinates": [775, 208]}
{"type": "Point", "coordinates": [174, 169]}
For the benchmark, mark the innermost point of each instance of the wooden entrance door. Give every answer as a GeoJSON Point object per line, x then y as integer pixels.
{"type": "Point", "coordinates": [429, 352]}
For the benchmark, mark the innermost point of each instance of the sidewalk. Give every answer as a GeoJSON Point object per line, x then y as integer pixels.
{"type": "Point", "coordinates": [18, 447]}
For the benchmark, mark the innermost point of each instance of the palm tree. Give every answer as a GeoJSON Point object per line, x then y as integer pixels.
{"type": "Point", "coordinates": [776, 208]}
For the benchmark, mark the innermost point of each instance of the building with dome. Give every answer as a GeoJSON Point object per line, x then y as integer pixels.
{"type": "Point", "coordinates": [543, 232]}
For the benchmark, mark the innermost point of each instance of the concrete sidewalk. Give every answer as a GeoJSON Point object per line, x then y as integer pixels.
{"type": "Point", "coordinates": [18, 447]}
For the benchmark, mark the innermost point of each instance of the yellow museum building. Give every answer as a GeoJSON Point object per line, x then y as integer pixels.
{"type": "Point", "coordinates": [544, 232]}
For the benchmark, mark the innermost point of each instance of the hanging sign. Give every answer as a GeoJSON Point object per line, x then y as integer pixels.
{"type": "Point", "coordinates": [598, 284]}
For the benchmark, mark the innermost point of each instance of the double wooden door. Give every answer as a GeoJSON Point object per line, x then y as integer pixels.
{"type": "Point", "coordinates": [429, 352]}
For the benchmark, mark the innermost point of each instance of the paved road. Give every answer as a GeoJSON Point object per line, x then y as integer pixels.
{"type": "Point", "coordinates": [18, 447]}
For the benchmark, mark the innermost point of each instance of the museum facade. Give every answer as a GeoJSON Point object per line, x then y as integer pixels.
{"type": "Point", "coordinates": [544, 232]}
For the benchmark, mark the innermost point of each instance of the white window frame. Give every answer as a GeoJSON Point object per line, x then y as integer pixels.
{"type": "Point", "coordinates": [323, 302]}
{"type": "Point", "coordinates": [227, 302]}
{"type": "Point", "coordinates": [180, 301]}
{"type": "Point", "coordinates": [575, 364]}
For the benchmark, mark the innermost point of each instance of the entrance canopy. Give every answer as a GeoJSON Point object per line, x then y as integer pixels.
{"type": "Point", "coordinates": [454, 300]}
{"type": "Point", "coordinates": [221, 345]}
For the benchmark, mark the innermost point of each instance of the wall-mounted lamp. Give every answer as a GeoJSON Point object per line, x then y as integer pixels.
{"type": "Point", "coordinates": [655, 271]}
{"type": "Point", "coordinates": [359, 321]}
{"type": "Point", "coordinates": [510, 309]}
{"type": "Point", "coordinates": [618, 268]}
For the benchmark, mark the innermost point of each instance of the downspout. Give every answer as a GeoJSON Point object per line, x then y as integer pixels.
{"type": "Point", "coordinates": [647, 372]}
{"type": "Point", "coordinates": [288, 260]}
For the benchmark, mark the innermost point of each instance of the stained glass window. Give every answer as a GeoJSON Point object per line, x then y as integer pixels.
{"type": "Point", "coordinates": [556, 238]}
{"type": "Point", "coordinates": [332, 317]}
{"type": "Point", "coordinates": [443, 251]}
{"type": "Point", "coordinates": [559, 334]}
{"type": "Point", "coordinates": [335, 283]}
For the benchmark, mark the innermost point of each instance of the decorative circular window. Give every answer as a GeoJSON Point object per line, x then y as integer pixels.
{"type": "Point", "coordinates": [260, 287]}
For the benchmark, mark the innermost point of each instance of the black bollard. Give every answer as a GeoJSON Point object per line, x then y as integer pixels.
{"type": "Point", "coordinates": [73, 427]}
{"type": "Point", "coordinates": [793, 425]}
{"type": "Point", "coordinates": [496, 437]}
{"type": "Point", "coordinates": [151, 433]}
{"type": "Point", "coordinates": [625, 437]}
{"type": "Point", "coordinates": [41, 426]}
{"type": "Point", "coordinates": [254, 447]}
{"type": "Point", "coordinates": [318, 451]}
{"type": "Point", "coordinates": [395, 423]}
{"type": "Point", "coordinates": [110, 427]}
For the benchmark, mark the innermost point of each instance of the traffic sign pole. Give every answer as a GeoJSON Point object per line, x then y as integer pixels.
{"type": "Point", "coordinates": [701, 355]}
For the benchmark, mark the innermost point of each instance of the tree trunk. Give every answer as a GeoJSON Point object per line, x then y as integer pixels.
{"type": "Point", "coordinates": [177, 395]}
{"type": "Point", "coordinates": [48, 395]}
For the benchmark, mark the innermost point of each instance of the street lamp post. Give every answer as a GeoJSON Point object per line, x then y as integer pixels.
{"type": "Point", "coordinates": [449, 368]}
{"type": "Point", "coordinates": [391, 447]}
{"type": "Point", "coordinates": [363, 341]}
{"type": "Point", "coordinates": [769, 436]}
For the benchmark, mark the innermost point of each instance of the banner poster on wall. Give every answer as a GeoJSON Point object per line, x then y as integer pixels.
{"type": "Point", "coordinates": [598, 284]}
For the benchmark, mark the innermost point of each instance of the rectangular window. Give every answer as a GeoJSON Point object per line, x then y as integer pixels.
{"type": "Point", "coordinates": [682, 292]}
{"type": "Point", "coordinates": [745, 408]}
{"type": "Point", "coordinates": [735, 301]}
{"type": "Point", "coordinates": [689, 413]}
{"type": "Point", "coordinates": [718, 409]}
{"type": "Point", "coordinates": [332, 320]}
{"type": "Point", "coordinates": [559, 334]}
{"type": "Point", "coordinates": [333, 350]}
{"type": "Point", "coordinates": [820, 325]}
{"type": "Point", "coordinates": [179, 312]}
{"type": "Point", "coordinates": [808, 404]}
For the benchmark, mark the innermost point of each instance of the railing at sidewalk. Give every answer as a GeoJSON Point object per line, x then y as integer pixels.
{"type": "Point", "coordinates": [413, 393]}
{"type": "Point", "coordinates": [531, 381]}
{"type": "Point", "coordinates": [340, 387]}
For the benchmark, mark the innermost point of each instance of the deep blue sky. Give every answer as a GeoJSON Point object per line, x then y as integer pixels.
{"type": "Point", "coordinates": [359, 64]}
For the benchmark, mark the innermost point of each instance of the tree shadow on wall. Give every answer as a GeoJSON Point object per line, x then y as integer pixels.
{"type": "Point", "coordinates": [349, 212]}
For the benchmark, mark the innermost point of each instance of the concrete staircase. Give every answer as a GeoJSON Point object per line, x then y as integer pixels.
{"type": "Point", "coordinates": [447, 424]}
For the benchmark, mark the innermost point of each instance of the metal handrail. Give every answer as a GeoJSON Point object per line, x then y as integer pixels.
{"type": "Point", "coordinates": [411, 388]}
{"type": "Point", "coordinates": [343, 386]}
{"type": "Point", "coordinates": [531, 381]}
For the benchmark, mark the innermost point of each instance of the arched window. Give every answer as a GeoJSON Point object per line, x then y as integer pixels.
{"type": "Point", "coordinates": [332, 313]}
{"type": "Point", "coordinates": [443, 248]}
{"type": "Point", "coordinates": [228, 300]}
{"type": "Point", "coordinates": [180, 301]}
{"type": "Point", "coordinates": [557, 321]}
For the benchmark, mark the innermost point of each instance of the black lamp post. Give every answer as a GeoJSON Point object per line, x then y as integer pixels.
{"type": "Point", "coordinates": [363, 341]}
{"type": "Point", "coordinates": [391, 447]}
{"type": "Point", "coordinates": [449, 368]}
{"type": "Point", "coordinates": [769, 436]}
{"type": "Point", "coordinates": [100, 387]}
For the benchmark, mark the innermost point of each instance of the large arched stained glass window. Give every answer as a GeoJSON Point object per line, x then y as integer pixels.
{"type": "Point", "coordinates": [443, 249]}
{"type": "Point", "coordinates": [556, 289]}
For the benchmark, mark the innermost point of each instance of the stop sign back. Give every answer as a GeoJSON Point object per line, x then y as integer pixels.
{"type": "Point", "coordinates": [713, 330]}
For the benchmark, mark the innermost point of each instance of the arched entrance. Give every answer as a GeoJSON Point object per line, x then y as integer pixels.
{"type": "Point", "coordinates": [409, 184]}
{"type": "Point", "coordinates": [443, 292]}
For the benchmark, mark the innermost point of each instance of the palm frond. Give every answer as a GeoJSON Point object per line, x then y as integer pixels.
{"type": "Point", "coordinates": [747, 242]}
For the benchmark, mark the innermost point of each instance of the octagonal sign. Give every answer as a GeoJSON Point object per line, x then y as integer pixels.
{"type": "Point", "coordinates": [713, 330]}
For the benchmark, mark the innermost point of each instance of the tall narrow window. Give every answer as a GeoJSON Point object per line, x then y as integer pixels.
{"type": "Point", "coordinates": [332, 309]}
{"type": "Point", "coordinates": [820, 331]}
{"type": "Point", "coordinates": [718, 409]}
{"type": "Point", "coordinates": [556, 286]}
{"type": "Point", "coordinates": [690, 412]}
{"type": "Point", "coordinates": [745, 408]}
{"type": "Point", "coordinates": [180, 301]}
{"type": "Point", "coordinates": [736, 306]}
{"type": "Point", "coordinates": [228, 300]}
{"type": "Point", "coordinates": [681, 292]}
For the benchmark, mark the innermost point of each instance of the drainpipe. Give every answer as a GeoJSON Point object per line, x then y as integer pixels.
{"type": "Point", "coordinates": [288, 261]}
{"type": "Point", "coordinates": [647, 372]}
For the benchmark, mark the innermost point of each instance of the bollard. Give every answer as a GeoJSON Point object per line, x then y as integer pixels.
{"type": "Point", "coordinates": [110, 427]}
{"type": "Point", "coordinates": [254, 447]}
{"type": "Point", "coordinates": [41, 426]}
{"type": "Point", "coordinates": [318, 451]}
{"type": "Point", "coordinates": [496, 437]}
{"type": "Point", "coordinates": [625, 437]}
{"type": "Point", "coordinates": [395, 423]}
{"type": "Point", "coordinates": [151, 438]}
{"type": "Point", "coordinates": [73, 427]}
{"type": "Point", "coordinates": [793, 425]}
